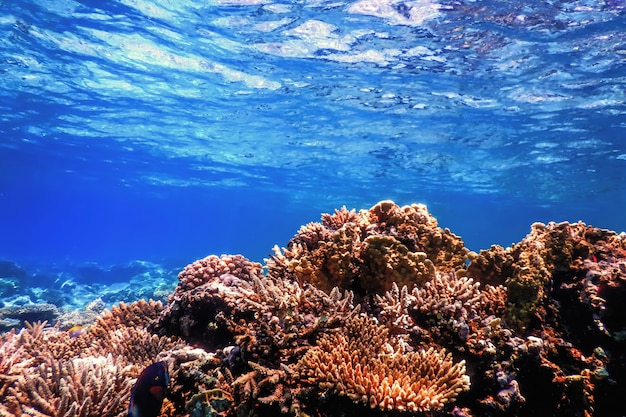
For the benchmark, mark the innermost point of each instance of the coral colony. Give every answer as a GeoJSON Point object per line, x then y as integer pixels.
{"type": "Point", "coordinates": [373, 313]}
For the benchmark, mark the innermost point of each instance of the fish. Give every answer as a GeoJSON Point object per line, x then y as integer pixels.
{"type": "Point", "coordinates": [146, 396]}
{"type": "Point", "coordinates": [76, 331]}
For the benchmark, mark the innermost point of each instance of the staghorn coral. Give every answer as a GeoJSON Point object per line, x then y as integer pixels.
{"type": "Point", "coordinates": [363, 363]}
{"type": "Point", "coordinates": [268, 318]}
{"type": "Point", "coordinates": [13, 357]}
{"type": "Point", "coordinates": [445, 303]}
{"type": "Point", "coordinates": [311, 234]}
{"type": "Point", "coordinates": [268, 387]}
{"type": "Point", "coordinates": [44, 381]}
{"type": "Point", "coordinates": [93, 386]}
{"type": "Point", "coordinates": [332, 222]}
{"type": "Point", "coordinates": [447, 295]}
{"type": "Point", "coordinates": [48, 373]}
{"type": "Point", "coordinates": [140, 313]}
{"type": "Point", "coordinates": [540, 326]}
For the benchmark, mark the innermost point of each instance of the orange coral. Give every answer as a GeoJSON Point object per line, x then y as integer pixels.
{"type": "Point", "coordinates": [365, 364]}
{"type": "Point", "coordinates": [416, 228]}
{"type": "Point", "coordinates": [340, 217]}
{"type": "Point", "coordinates": [311, 234]}
{"type": "Point", "coordinates": [140, 313]}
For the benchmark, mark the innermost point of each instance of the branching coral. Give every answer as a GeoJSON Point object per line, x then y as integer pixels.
{"type": "Point", "coordinates": [368, 250]}
{"type": "Point", "coordinates": [362, 362]}
{"type": "Point", "coordinates": [332, 222]}
{"type": "Point", "coordinates": [204, 270]}
{"type": "Point", "coordinates": [362, 310]}
{"type": "Point", "coordinates": [93, 386]}
{"type": "Point", "coordinates": [265, 316]}
{"type": "Point", "coordinates": [445, 302]}
{"type": "Point", "coordinates": [53, 385]}
{"type": "Point", "coordinates": [53, 374]}
{"type": "Point", "coordinates": [447, 295]}
{"type": "Point", "coordinates": [262, 385]}
{"type": "Point", "coordinates": [141, 313]}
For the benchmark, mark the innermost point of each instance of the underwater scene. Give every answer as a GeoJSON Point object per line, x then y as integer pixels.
{"type": "Point", "coordinates": [254, 208]}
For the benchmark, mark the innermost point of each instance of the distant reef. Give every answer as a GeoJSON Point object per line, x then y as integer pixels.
{"type": "Point", "coordinates": [75, 293]}
{"type": "Point", "coordinates": [379, 312]}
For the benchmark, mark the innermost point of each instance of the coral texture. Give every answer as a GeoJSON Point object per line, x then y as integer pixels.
{"type": "Point", "coordinates": [369, 250]}
{"type": "Point", "coordinates": [46, 372]}
{"type": "Point", "coordinates": [369, 313]}
{"type": "Point", "coordinates": [363, 363]}
{"type": "Point", "coordinates": [266, 317]}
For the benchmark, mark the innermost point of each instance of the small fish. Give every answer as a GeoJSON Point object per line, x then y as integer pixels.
{"type": "Point", "coordinates": [76, 331]}
{"type": "Point", "coordinates": [146, 396]}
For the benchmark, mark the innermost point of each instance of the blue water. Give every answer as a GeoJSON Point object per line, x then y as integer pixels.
{"type": "Point", "coordinates": [170, 130]}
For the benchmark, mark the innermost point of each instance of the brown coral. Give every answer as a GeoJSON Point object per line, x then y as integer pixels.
{"type": "Point", "coordinates": [266, 316]}
{"type": "Point", "coordinates": [207, 287]}
{"type": "Point", "coordinates": [368, 250]}
{"type": "Point", "coordinates": [365, 364]}
{"type": "Point", "coordinates": [541, 325]}
{"type": "Point", "coordinates": [416, 228]}
{"type": "Point", "coordinates": [386, 261]}
{"type": "Point", "coordinates": [550, 256]}
{"type": "Point", "coordinates": [140, 313]}
{"type": "Point", "coordinates": [335, 221]}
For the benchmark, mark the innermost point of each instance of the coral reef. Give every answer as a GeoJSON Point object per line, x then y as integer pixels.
{"type": "Point", "coordinates": [267, 318]}
{"type": "Point", "coordinates": [45, 372]}
{"type": "Point", "coordinates": [367, 251]}
{"type": "Point", "coordinates": [376, 313]}
{"type": "Point", "coordinates": [363, 363]}
{"type": "Point", "coordinates": [17, 316]}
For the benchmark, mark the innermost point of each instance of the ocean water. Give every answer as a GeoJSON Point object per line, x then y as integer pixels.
{"type": "Point", "coordinates": [165, 131]}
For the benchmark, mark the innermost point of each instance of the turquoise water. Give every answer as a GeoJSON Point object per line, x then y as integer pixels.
{"type": "Point", "coordinates": [170, 130]}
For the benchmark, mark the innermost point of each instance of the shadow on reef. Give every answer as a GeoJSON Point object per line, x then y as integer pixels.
{"type": "Point", "coordinates": [373, 313]}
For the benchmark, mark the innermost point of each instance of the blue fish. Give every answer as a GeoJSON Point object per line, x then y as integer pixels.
{"type": "Point", "coordinates": [146, 397]}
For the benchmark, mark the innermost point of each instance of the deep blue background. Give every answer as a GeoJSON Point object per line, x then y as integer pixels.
{"type": "Point", "coordinates": [167, 131]}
